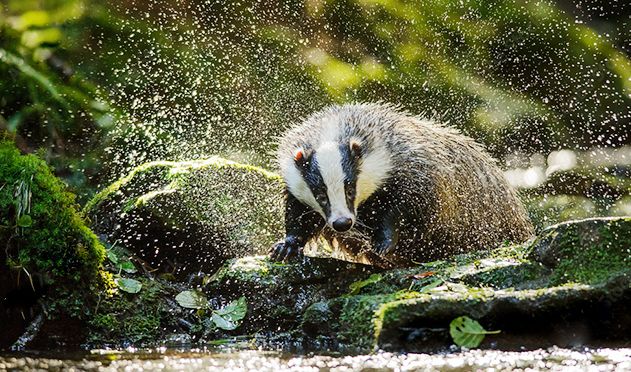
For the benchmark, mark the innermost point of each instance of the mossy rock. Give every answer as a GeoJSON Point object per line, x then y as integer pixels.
{"type": "Point", "coordinates": [580, 193]}
{"type": "Point", "coordinates": [47, 247]}
{"type": "Point", "coordinates": [535, 301]}
{"type": "Point", "coordinates": [277, 293]}
{"type": "Point", "coordinates": [589, 251]}
{"type": "Point", "coordinates": [576, 272]}
{"type": "Point", "coordinates": [191, 216]}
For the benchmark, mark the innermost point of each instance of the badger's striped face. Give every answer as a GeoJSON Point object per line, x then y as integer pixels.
{"type": "Point", "coordinates": [335, 178]}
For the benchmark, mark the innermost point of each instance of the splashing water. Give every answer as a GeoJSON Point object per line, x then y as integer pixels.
{"type": "Point", "coordinates": [201, 78]}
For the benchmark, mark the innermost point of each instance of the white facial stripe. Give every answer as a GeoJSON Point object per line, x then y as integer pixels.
{"type": "Point", "coordinates": [330, 165]}
{"type": "Point", "coordinates": [298, 187]}
{"type": "Point", "coordinates": [374, 170]}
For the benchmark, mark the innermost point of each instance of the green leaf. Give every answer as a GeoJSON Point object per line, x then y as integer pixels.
{"type": "Point", "coordinates": [230, 316]}
{"type": "Point", "coordinates": [432, 285]}
{"type": "Point", "coordinates": [112, 256]}
{"type": "Point", "coordinates": [192, 300]}
{"type": "Point", "coordinates": [223, 323]}
{"type": "Point", "coordinates": [467, 332]}
{"type": "Point", "coordinates": [357, 286]}
{"type": "Point", "coordinates": [25, 221]}
{"type": "Point", "coordinates": [128, 267]}
{"type": "Point", "coordinates": [32, 74]}
{"type": "Point", "coordinates": [128, 285]}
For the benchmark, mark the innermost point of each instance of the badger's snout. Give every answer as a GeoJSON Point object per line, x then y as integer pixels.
{"type": "Point", "coordinates": [342, 224]}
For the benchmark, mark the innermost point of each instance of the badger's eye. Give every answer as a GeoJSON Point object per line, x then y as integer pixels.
{"type": "Point", "coordinates": [321, 199]}
{"type": "Point", "coordinates": [350, 192]}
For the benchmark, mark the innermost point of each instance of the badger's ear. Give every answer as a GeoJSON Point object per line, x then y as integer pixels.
{"type": "Point", "coordinates": [356, 147]}
{"type": "Point", "coordinates": [302, 157]}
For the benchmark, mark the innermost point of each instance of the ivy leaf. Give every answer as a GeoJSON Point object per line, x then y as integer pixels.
{"type": "Point", "coordinates": [230, 316]}
{"type": "Point", "coordinates": [24, 221]}
{"type": "Point", "coordinates": [467, 332]}
{"type": "Point", "coordinates": [128, 267]}
{"type": "Point", "coordinates": [223, 323]}
{"type": "Point", "coordinates": [112, 256]}
{"type": "Point", "coordinates": [357, 286]}
{"type": "Point", "coordinates": [192, 300]}
{"type": "Point", "coordinates": [128, 285]}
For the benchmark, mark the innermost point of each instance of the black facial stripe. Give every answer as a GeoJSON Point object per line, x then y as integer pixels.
{"type": "Point", "coordinates": [350, 165]}
{"type": "Point", "coordinates": [312, 176]}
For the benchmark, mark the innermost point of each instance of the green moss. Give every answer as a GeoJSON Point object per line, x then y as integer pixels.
{"type": "Point", "coordinates": [518, 275]}
{"type": "Point", "coordinates": [219, 202]}
{"type": "Point", "coordinates": [131, 317]}
{"type": "Point", "coordinates": [592, 252]}
{"type": "Point", "coordinates": [251, 269]}
{"type": "Point", "coordinates": [361, 317]}
{"type": "Point", "coordinates": [57, 244]}
{"type": "Point", "coordinates": [177, 172]}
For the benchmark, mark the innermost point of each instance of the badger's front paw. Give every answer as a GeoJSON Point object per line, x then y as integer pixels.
{"type": "Point", "coordinates": [383, 246]}
{"type": "Point", "coordinates": [285, 250]}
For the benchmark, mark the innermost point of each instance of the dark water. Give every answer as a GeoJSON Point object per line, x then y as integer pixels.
{"type": "Point", "coordinates": [256, 360]}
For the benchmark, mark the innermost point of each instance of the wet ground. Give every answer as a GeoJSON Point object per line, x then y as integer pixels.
{"type": "Point", "coordinates": [172, 360]}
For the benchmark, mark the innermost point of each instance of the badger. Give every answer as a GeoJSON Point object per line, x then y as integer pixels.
{"type": "Point", "coordinates": [390, 189]}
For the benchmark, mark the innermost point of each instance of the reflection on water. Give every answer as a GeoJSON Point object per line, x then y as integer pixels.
{"type": "Point", "coordinates": [174, 360]}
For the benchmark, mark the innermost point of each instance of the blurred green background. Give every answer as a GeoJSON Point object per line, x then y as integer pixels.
{"type": "Point", "coordinates": [97, 87]}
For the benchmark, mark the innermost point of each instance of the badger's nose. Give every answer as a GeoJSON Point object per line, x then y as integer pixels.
{"type": "Point", "coordinates": [342, 224]}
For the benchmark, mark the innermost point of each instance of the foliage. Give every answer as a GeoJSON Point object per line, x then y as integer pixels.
{"type": "Point", "coordinates": [192, 300]}
{"type": "Point", "coordinates": [120, 260]}
{"type": "Point", "coordinates": [467, 332]}
{"type": "Point", "coordinates": [356, 287]}
{"type": "Point", "coordinates": [230, 316]}
{"type": "Point", "coordinates": [43, 231]}
{"type": "Point", "coordinates": [227, 318]}
{"type": "Point", "coordinates": [501, 71]}
{"type": "Point", "coordinates": [189, 79]}
{"type": "Point", "coordinates": [46, 100]}
{"type": "Point", "coordinates": [123, 316]}
{"type": "Point", "coordinates": [128, 285]}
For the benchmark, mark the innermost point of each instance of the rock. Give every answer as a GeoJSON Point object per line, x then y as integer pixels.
{"type": "Point", "coordinates": [47, 247]}
{"type": "Point", "coordinates": [586, 251]}
{"type": "Point", "coordinates": [571, 286]}
{"type": "Point", "coordinates": [607, 183]}
{"type": "Point", "coordinates": [191, 216]}
{"type": "Point", "coordinates": [278, 293]}
{"type": "Point", "coordinates": [582, 192]}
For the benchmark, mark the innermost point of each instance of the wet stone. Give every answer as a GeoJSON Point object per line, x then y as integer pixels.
{"type": "Point", "coordinates": [183, 217]}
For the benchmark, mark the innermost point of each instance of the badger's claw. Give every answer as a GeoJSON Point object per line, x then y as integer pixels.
{"type": "Point", "coordinates": [282, 251]}
{"type": "Point", "coordinates": [384, 246]}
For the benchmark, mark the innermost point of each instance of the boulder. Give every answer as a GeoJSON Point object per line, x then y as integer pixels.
{"type": "Point", "coordinates": [580, 193]}
{"type": "Point", "coordinates": [183, 217]}
{"type": "Point", "coordinates": [570, 286]}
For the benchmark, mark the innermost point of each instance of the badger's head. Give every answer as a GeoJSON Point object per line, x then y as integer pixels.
{"type": "Point", "coordinates": [336, 177]}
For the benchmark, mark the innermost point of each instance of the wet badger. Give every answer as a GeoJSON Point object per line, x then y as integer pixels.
{"type": "Point", "coordinates": [390, 189]}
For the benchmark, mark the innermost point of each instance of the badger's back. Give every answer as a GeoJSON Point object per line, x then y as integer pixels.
{"type": "Point", "coordinates": [451, 193]}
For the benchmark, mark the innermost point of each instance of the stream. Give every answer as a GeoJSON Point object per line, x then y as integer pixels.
{"type": "Point", "coordinates": [556, 359]}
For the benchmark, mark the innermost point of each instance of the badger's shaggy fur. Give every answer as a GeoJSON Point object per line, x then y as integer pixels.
{"type": "Point", "coordinates": [412, 190]}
